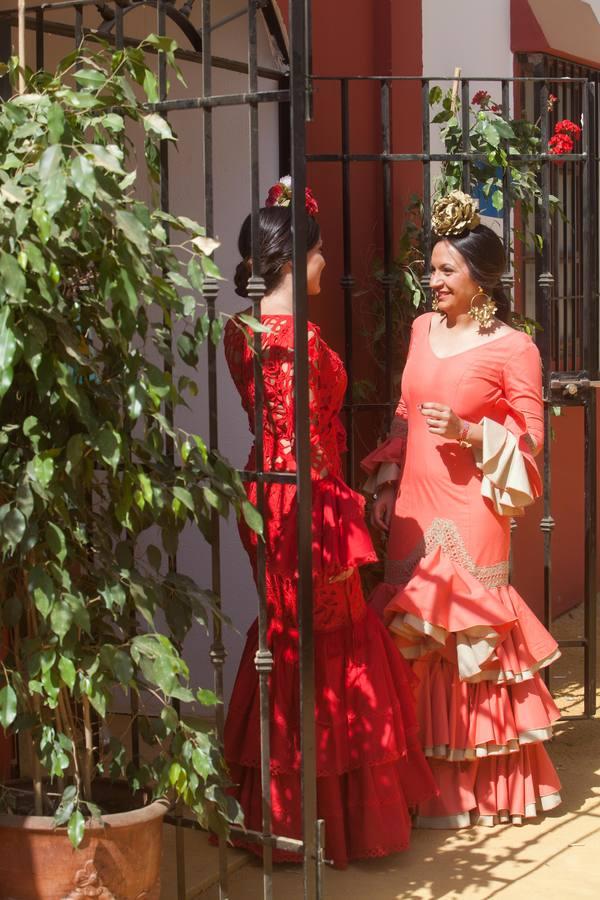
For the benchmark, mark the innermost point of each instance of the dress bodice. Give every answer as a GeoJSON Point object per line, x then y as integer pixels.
{"type": "Point", "coordinates": [498, 381]}
{"type": "Point", "coordinates": [327, 386]}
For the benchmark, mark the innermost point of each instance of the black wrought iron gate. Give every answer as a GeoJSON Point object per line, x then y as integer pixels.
{"type": "Point", "coordinates": [563, 298]}
{"type": "Point", "coordinates": [556, 285]}
{"type": "Point", "coordinates": [72, 21]}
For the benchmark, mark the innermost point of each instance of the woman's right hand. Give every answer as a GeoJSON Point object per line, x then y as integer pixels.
{"type": "Point", "coordinates": [383, 507]}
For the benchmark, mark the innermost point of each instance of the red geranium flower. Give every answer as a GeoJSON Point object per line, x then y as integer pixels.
{"type": "Point", "coordinates": [481, 98]}
{"type": "Point", "coordinates": [567, 127]}
{"type": "Point", "coordinates": [560, 143]}
{"type": "Point", "coordinates": [552, 99]}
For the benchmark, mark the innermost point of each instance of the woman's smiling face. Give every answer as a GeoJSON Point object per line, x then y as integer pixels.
{"type": "Point", "coordinates": [451, 280]}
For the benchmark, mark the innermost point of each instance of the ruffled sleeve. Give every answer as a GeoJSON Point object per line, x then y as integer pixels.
{"type": "Point", "coordinates": [511, 480]}
{"type": "Point", "coordinates": [386, 462]}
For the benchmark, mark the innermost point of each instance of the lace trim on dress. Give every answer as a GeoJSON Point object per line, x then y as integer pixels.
{"type": "Point", "coordinates": [444, 533]}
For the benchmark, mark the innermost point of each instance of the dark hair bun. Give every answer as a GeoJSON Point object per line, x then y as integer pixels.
{"type": "Point", "coordinates": [274, 246]}
{"type": "Point", "coordinates": [242, 275]}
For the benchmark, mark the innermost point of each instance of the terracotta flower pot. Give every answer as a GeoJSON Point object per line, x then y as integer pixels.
{"type": "Point", "coordinates": [118, 860]}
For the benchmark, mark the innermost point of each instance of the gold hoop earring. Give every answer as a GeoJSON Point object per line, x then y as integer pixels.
{"type": "Point", "coordinates": [434, 302]}
{"type": "Point", "coordinates": [484, 312]}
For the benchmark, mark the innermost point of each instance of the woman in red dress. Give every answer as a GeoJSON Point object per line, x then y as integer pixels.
{"type": "Point", "coordinates": [369, 765]}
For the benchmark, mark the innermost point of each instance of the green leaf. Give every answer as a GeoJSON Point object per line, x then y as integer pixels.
{"type": "Point", "coordinates": [50, 162]}
{"type": "Point", "coordinates": [24, 498]}
{"type": "Point", "coordinates": [41, 469]}
{"type": "Point", "coordinates": [14, 525]}
{"type": "Point", "coordinates": [12, 279]}
{"type": "Point", "coordinates": [252, 517]}
{"type": "Point", "coordinates": [206, 697]}
{"type": "Point", "coordinates": [76, 828]}
{"type": "Point", "coordinates": [8, 706]}
{"type": "Point", "coordinates": [55, 539]}
{"type": "Point", "coordinates": [122, 667]}
{"type": "Point", "coordinates": [108, 444]}
{"type": "Point", "coordinates": [253, 323]}
{"type": "Point", "coordinates": [133, 230]}
{"type": "Point", "coordinates": [8, 347]}
{"type": "Point", "coordinates": [84, 179]}
{"type": "Point", "coordinates": [54, 192]}
{"type": "Point", "coordinates": [93, 78]}
{"type": "Point", "coordinates": [67, 671]}
{"type": "Point", "coordinates": [61, 618]}
{"type": "Point", "coordinates": [498, 200]}
{"type": "Point", "coordinates": [184, 497]}
{"type": "Point", "coordinates": [56, 123]}
{"type": "Point", "coordinates": [42, 589]}
{"type": "Point", "coordinates": [202, 763]}
{"type": "Point", "coordinates": [109, 159]}
{"type": "Point", "coordinates": [155, 123]}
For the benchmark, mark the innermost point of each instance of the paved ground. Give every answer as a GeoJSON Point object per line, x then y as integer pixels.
{"type": "Point", "coordinates": [555, 857]}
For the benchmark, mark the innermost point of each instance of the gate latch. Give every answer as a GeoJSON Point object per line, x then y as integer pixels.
{"type": "Point", "coordinates": [571, 384]}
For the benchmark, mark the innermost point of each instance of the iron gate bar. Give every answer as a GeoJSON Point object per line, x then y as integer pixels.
{"type": "Point", "coordinates": [312, 833]}
{"type": "Point", "coordinates": [386, 141]}
{"type": "Point", "coordinates": [256, 290]}
{"type": "Point", "coordinates": [347, 281]}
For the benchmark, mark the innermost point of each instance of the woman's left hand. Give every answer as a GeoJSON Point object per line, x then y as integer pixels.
{"type": "Point", "coordinates": [442, 420]}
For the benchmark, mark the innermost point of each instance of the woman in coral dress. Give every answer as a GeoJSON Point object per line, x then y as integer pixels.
{"type": "Point", "coordinates": [464, 437]}
{"type": "Point", "coordinates": [369, 763]}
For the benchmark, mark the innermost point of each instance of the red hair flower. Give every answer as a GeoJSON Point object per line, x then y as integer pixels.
{"type": "Point", "coordinates": [274, 194]}
{"type": "Point", "coordinates": [281, 195]}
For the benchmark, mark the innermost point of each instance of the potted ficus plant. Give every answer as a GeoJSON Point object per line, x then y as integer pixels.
{"type": "Point", "coordinates": [96, 483]}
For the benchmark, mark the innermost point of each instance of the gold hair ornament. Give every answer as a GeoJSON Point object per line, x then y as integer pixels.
{"type": "Point", "coordinates": [453, 214]}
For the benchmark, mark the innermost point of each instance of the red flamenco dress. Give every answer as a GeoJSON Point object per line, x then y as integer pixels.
{"type": "Point", "coordinates": [369, 764]}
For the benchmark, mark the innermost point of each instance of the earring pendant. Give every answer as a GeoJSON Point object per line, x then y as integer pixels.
{"type": "Point", "coordinates": [483, 312]}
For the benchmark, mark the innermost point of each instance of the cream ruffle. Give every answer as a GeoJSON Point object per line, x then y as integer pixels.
{"type": "Point", "coordinates": [474, 646]}
{"type": "Point", "coordinates": [505, 478]}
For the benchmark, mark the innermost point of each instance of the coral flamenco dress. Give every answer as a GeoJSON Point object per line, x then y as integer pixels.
{"type": "Point", "coordinates": [369, 763]}
{"type": "Point", "coordinates": [476, 647]}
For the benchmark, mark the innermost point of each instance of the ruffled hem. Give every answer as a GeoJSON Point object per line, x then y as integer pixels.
{"type": "Point", "coordinates": [364, 703]}
{"type": "Point", "coordinates": [365, 811]}
{"type": "Point", "coordinates": [511, 480]}
{"type": "Point", "coordinates": [340, 537]}
{"type": "Point", "coordinates": [490, 634]}
{"type": "Point", "coordinates": [462, 721]}
{"type": "Point", "coordinates": [492, 791]}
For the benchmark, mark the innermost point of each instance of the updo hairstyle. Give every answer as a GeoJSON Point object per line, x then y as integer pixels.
{"type": "Point", "coordinates": [483, 252]}
{"type": "Point", "coordinates": [275, 246]}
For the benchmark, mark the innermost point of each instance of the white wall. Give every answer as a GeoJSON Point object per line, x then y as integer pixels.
{"type": "Point", "coordinates": [472, 34]}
